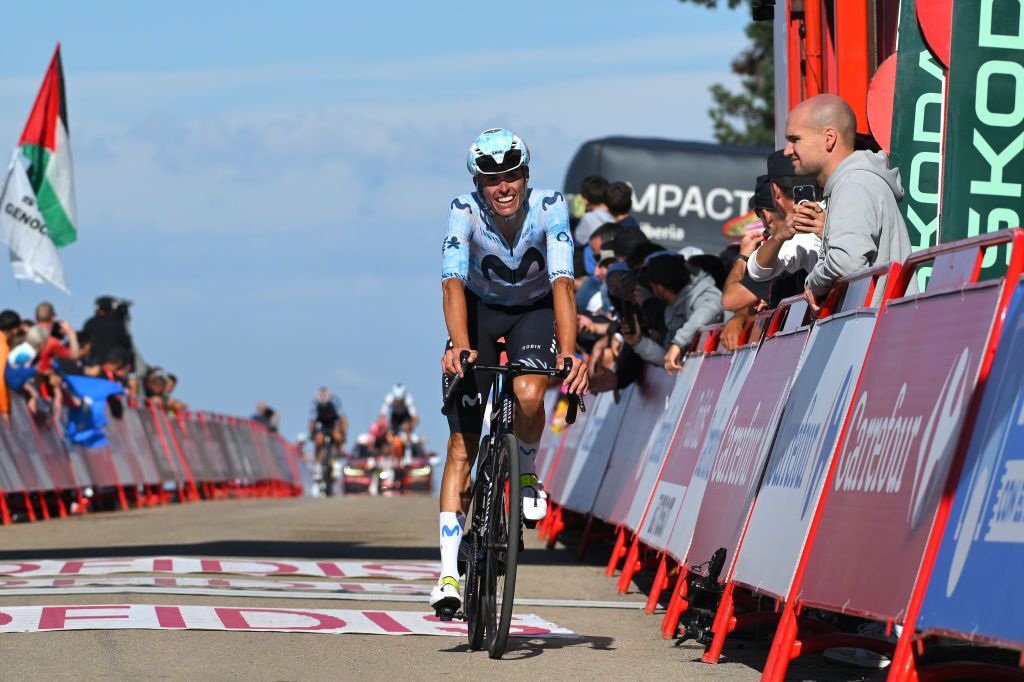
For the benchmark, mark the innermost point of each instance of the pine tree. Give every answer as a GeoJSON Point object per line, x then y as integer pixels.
{"type": "Point", "coordinates": [746, 117]}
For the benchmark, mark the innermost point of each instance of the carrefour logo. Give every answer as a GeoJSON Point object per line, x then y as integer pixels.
{"type": "Point", "coordinates": [880, 447]}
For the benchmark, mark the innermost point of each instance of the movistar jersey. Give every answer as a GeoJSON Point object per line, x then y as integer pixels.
{"type": "Point", "coordinates": [520, 273]}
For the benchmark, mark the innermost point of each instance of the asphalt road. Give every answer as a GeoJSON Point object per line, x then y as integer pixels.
{"type": "Point", "coordinates": [613, 643]}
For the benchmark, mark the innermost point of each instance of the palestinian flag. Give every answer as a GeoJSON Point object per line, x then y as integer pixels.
{"type": "Point", "coordinates": [46, 146]}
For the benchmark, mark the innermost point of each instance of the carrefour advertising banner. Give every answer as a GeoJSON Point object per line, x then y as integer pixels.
{"type": "Point", "coordinates": [983, 185]}
{"type": "Point", "coordinates": [802, 452]}
{"type": "Point", "coordinates": [975, 587]}
{"type": "Point", "coordinates": [892, 465]}
{"type": "Point", "coordinates": [682, 191]}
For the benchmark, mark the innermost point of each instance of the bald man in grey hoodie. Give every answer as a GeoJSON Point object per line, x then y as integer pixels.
{"type": "Point", "coordinates": [863, 226]}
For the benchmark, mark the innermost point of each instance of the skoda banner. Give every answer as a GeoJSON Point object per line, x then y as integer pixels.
{"type": "Point", "coordinates": [917, 130]}
{"type": "Point", "coordinates": [683, 192]}
{"type": "Point", "coordinates": [984, 164]}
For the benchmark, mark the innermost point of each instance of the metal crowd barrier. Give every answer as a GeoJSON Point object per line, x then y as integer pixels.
{"type": "Point", "coordinates": [866, 463]}
{"type": "Point", "coordinates": [152, 457]}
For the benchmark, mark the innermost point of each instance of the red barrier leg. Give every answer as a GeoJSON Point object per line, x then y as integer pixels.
{"type": "Point", "coordinates": [5, 513]}
{"type": "Point", "coordinates": [902, 667]}
{"type": "Point", "coordinates": [676, 606]}
{"type": "Point", "coordinates": [631, 565]}
{"type": "Point", "coordinates": [618, 551]}
{"type": "Point", "coordinates": [660, 583]}
{"type": "Point", "coordinates": [557, 526]}
{"type": "Point", "coordinates": [722, 625]}
{"type": "Point", "coordinates": [783, 645]}
{"type": "Point", "coordinates": [43, 508]}
{"type": "Point", "coordinates": [28, 506]}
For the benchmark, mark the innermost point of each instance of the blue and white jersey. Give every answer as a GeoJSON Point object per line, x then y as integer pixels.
{"type": "Point", "coordinates": [476, 252]}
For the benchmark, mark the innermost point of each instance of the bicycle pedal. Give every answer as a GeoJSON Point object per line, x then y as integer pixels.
{"type": "Point", "coordinates": [460, 616]}
{"type": "Point", "coordinates": [445, 615]}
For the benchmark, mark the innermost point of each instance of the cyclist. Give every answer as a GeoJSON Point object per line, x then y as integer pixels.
{"type": "Point", "coordinates": [399, 409]}
{"type": "Point", "coordinates": [326, 417]}
{"type": "Point", "coordinates": [507, 272]}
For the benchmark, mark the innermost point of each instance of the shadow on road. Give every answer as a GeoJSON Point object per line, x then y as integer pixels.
{"type": "Point", "coordinates": [257, 549]}
{"type": "Point", "coordinates": [522, 648]}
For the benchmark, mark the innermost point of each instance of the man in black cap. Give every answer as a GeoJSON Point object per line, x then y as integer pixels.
{"type": "Point", "coordinates": [692, 301]}
{"type": "Point", "coordinates": [795, 241]}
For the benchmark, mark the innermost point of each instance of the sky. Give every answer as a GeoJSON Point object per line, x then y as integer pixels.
{"type": "Point", "coordinates": [269, 183]}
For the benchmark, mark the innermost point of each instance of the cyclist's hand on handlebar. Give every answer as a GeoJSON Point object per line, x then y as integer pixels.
{"type": "Point", "coordinates": [578, 378]}
{"type": "Point", "coordinates": [450, 363]}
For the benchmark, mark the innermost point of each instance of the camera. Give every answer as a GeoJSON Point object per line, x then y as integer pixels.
{"type": "Point", "coordinates": [803, 194]}
{"type": "Point", "coordinates": [56, 331]}
{"type": "Point", "coordinates": [763, 10]}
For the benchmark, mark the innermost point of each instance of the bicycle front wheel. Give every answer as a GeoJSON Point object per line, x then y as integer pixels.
{"type": "Point", "coordinates": [501, 542]}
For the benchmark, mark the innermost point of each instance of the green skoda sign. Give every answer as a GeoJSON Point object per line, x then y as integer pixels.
{"type": "Point", "coordinates": [916, 145]}
{"type": "Point", "coordinates": [984, 162]}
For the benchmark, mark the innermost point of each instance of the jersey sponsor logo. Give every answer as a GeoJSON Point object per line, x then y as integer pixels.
{"type": "Point", "coordinates": [450, 243]}
{"type": "Point", "coordinates": [527, 453]}
{"type": "Point", "coordinates": [551, 200]}
{"type": "Point", "coordinates": [492, 265]}
{"type": "Point", "coordinates": [468, 401]}
{"type": "Point", "coordinates": [460, 205]}
{"type": "Point", "coordinates": [450, 531]}
{"type": "Point", "coordinates": [562, 236]}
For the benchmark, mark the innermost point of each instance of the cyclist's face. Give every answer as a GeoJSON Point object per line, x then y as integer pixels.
{"type": "Point", "coordinates": [504, 191]}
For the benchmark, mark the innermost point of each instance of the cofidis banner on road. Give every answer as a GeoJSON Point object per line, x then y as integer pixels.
{"type": "Point", "coordinates": [802, 452]}
{"type": "Point", "coordinates": [975, 587]}
{"type": "Point", "coordinates": [903, 429]}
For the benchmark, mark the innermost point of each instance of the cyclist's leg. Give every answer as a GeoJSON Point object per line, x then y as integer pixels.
{"type": "Point", "coordinates": [465, 423]}
{"type": "Point", "coordinates": [318, 446]}
{"type": "Point", "coordinates": [532, 342]}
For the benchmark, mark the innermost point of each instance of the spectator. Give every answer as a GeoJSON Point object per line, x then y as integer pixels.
{"type": "Point", "coordinates": [108, 329]}
{"type": "Point", "coordinates": [619, 199]}
{"type": "Point", "coordinates": [795, 240]}
{"type": "Point", "coordinates": [61, 342]}
{"type": "Point", "coordinates": [864, 225]}
{"type": "Point", "coordinates": [267, 416]}
{"type": "Point", "coordinates": [594, 190]}
{"type": "Point", "coordinates": [692, 301]}
{"type": "Point", "coordinates": [10, 322]}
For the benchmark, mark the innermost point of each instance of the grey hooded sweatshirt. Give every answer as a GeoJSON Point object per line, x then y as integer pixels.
{"type": "Point", "coordinates": [863, 226]}
{"type": "Point", "coordinates": [698, 304]}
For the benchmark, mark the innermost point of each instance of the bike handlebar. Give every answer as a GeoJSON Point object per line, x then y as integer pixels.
{"type": "Point", "coordinates": [513, 369]}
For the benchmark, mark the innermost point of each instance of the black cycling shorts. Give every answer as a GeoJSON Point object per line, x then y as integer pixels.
{"type": "Point", "coordinates": [529, 332]}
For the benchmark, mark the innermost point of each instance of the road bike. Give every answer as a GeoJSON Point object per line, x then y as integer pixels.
{"type": "Point", "coordinates": [494, 534]}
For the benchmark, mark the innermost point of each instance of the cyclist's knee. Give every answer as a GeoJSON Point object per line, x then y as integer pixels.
{"type": "Point", "coordinates": [530, 396]}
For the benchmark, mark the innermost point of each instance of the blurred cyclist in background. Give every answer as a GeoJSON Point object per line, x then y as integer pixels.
{"type": "Point", "coordinates": [326, 417]}
{"type": "Point", "coordinates": [399, 410]}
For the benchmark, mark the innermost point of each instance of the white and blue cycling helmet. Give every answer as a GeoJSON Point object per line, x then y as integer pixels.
{"type": "Point", "coordinates": [497, 151]}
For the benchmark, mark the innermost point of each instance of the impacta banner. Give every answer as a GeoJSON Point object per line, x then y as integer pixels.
{"type": "Point", "coordinates": [46, 165]}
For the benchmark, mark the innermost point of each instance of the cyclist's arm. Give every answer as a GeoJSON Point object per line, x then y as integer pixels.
{"type": "Point", "coordinates": [454, 275]}
{"type": "Point", "coordinates": [560, 272]}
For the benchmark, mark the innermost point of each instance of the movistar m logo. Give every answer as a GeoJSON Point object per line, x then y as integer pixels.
{"type": "Point", "coordinates": [468, 401]}
{"type": "Point", "coordinates": [527, 453]}
{"type": "Point", "coordinates": [550, 201]}
{"type": "Point", "coordinates": [493, 265]}
{"type": "Point", "coordinates": [459, 205]}
{"type": "Point", "coordinates": [450, 531]}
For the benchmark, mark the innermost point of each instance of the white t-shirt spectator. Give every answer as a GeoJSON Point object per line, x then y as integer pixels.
{"type": "Point", "coordinates": [798, 253]}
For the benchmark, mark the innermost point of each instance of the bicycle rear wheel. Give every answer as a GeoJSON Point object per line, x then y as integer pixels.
{"type": "Point", "coordinates": [501, 542]}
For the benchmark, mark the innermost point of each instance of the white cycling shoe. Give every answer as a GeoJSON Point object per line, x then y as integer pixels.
{"type": "Point", "coordinates": [445, 598]}
{"type": "Point", "coordinates": [535, 500]}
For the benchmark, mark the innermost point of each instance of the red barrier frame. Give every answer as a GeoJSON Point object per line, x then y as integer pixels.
{"type": "Point", "coordinates": [787, 643]}
{"type": "Point", "coordinates": [706, 342]}
{"type": "Point", "coordinates": [726, 618]}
